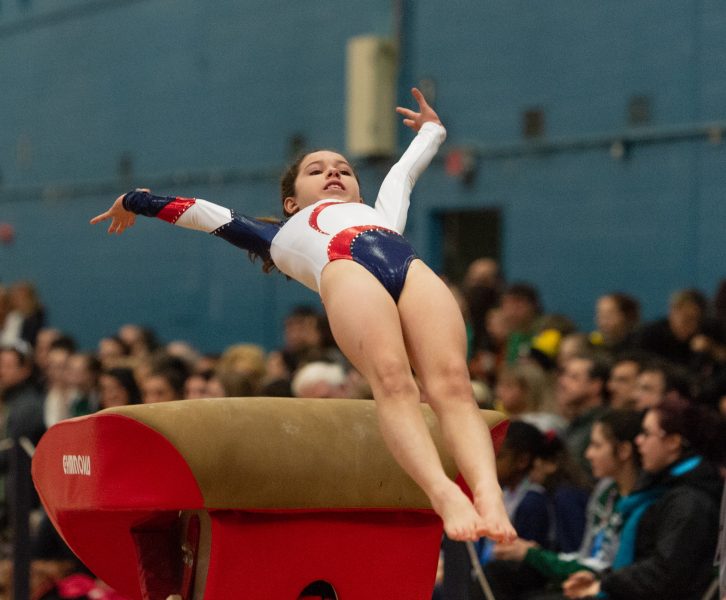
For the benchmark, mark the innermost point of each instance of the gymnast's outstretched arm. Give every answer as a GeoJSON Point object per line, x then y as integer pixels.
{"type": "Point", "coordinates": [393, 197]}
{"type": "Point", "coordinates": [250, 234]}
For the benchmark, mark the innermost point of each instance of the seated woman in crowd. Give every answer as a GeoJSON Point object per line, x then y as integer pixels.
{"type": "Point", "coordinates": [616, 463]}
{"type": "Point", "coordinates": [668, 553]}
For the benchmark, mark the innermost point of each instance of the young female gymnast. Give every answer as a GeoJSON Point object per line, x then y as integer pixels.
{"type": "Point", "coordinates": [387, 310]}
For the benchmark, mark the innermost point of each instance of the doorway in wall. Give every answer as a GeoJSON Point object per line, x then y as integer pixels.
{"type": "Point", "coordinates": [465, 235]}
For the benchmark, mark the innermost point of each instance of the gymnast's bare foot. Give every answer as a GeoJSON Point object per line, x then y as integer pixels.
{"type": "Point", "coordinates": [461, 520]}
{"type": "Point", "coordinates": [493, 517]}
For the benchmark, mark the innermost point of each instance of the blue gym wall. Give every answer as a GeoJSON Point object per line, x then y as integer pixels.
{"type": "Point", "coordinates": [203, 98]}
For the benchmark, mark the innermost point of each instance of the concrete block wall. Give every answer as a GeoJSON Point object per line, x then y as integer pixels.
{"type": "Point", "coordinates": [206, 99]}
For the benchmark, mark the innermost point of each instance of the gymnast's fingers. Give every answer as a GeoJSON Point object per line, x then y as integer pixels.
{"type": "Point", "coordinates": [418, 95]}
{"type": "Point", "coordinates": [101, 217]}
{"type": "Point", "coordinates": [406, 112]}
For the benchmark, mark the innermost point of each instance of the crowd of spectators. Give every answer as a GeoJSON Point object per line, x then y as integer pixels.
{"type": "Point", "coordinates": [559, 384]}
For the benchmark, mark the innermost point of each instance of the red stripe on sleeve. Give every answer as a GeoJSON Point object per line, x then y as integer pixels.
{"type": "Point", "coordinates": [175, 209]}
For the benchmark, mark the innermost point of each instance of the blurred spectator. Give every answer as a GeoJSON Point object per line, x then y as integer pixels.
{"type": "Point", "coordinates": [82, 373]}
{"type": "Point", "coordinates": [117, 387]}
{"type": "Point", "coordinates": [580, 396]}
{"type": "Point", "coordinates": [521, 308]}
{"type": "Point", "coordinates": [617, 315]}
{"type": "Point", "coordinates": [57, 387]}
{"type": "Point", "coordinates": [277, 377]}
{"type": "Point", "coordinates": [491, 354]}
{"type": "Point", "coordinates": [571, 345]}
{"type": "Point", "coordinates": [482, 272]}
{"type": "Point", "coordinates": [685, 337]}
{"type": "Point", "coordinates": [162, 379]}
{"type": "Point", "coordinates": [206, 363]}
{"type": "Point", "coordinates": [545, 346]}
{"type": "Point", "coordinates": [112, 351]}
{"type": "Point", "coordinates": [197, 386]}
{"type": "Point", "coordinates": [141, 341]}
{"type": "Point", "coordinates": [658, 379]}
{"type": "Point", "coordinates": [480, 288]}
{"type": "Point", "coordinates": [303, 342]}
{"type": "Point", "coordinates": [713, 394]}
{"type": "Point", "coordinates": [522, 392]}
{"type": "Point", "coordinates": [238, 362]}
{"type": "Point", "coordinates": [47, 337]}
{"type": "Point", "coordinates": [623, 380]}
{"type": "Point", "coordinates": [525, 499]}
{"type": "Point", "coordinates": [540, 486]}
{"type": "Point", "coordinates": [319, 380]}
{"type": "Point", "coordinates": [158, 361]}
{"type": "Point", "coordinates": [27, 315]}
{"type": "Point", "coordinates": [302, 337]}
{"type": "Point", "coordinates": [183, 351]}
{"type": "Point", "coordinates": [231, 384]}
{"type": "Point", "coordinates": [22, 405]}
{"type": "Point", "coordinates": [567, 492]}
{"type": "Point", "coordinates": [567, 487]}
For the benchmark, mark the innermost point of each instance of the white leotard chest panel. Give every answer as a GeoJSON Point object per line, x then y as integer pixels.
{"type": "Point", "coordinates": [300, 250]}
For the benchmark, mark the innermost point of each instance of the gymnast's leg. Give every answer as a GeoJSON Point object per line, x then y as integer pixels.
{"type": "Point", "coordinates": [365, 323]}
{"type": "Point", "coordinates": [436, 340]}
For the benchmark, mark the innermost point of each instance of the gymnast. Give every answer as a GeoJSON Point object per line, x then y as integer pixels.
{"type": "Point", "coordinates": [388, 311]}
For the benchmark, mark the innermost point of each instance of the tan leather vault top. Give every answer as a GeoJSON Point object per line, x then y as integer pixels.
{"type": "Point", "coordinates": [288, 453]}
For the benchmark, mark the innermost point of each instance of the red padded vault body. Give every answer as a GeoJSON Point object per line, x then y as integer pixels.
{"type": "Point", "coordinates": [241, 499]}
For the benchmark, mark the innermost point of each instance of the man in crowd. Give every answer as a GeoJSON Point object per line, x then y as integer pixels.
{"type": "Point", "coordinates": [580, 396]}
{"type": "Point", "coordinates": [623, 380]}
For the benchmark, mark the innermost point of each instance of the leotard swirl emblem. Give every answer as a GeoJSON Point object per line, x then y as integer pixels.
{"type": "Point", "coordinates": [313, 220]}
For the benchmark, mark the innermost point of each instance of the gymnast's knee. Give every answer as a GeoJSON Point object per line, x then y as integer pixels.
{"type": "Point", "coordinates": [393, 379]}
{"type": "Point", "coordinates": [449, 385]}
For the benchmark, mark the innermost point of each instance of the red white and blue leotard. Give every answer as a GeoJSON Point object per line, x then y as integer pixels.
{"type": "Point", "coordinates": [325, 231]}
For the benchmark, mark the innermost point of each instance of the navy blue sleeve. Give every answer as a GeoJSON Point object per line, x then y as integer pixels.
{"type": "Point", "coordinates": [144, 203]}
{"type": "Point", "coordinates": [249, 234]}
{"type": "Point", "coordinates": [253, 235]}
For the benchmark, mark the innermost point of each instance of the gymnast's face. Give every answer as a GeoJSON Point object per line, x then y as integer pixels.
{"type": "Point", "coordinates": [323, 175]}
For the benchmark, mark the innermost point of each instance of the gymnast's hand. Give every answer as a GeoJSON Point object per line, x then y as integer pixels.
{"type": "Point", "coordinates": [415, 120]}
{"type": "Point", "coordinates": [121, 219]}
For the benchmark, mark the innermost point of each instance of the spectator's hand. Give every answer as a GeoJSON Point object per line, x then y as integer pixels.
{"type": "Point", "coordinates": [701, 343]}
{"type": "Point", "coordinates": [581, 585]}
{"type": "Point", "coordinates": [121, 219]}
{"type": "Point", "coordinates": [415, 120]}
{"type": "Point", "coordinates": [515, 550]}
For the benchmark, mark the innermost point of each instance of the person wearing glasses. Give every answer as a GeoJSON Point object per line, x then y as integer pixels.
{"type": "Point", "coordinates": [670, 554]}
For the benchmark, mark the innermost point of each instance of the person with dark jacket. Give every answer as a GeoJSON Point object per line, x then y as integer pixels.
{"type": "Point", "coordinates": [21, 416]}
{"type": "Point", "coordinates": [22, 402]}
{"type": "Point", "coordinates": [668, 554]}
